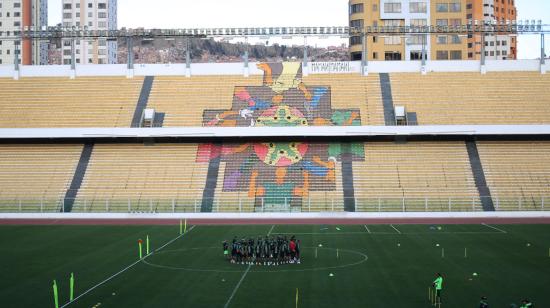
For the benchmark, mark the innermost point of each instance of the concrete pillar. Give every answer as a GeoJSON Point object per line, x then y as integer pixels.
{"type": "Point", "coordinates": [130, 47]}
{"type": "Point", "coordinates": [365, 56]}
{"type": "Point", "coordinates": [188, 58]}
{"type": "Point", "coordinates": [73, 60]}
{"type": "Point", "coordinates": [16, 72]}
{"type": "Point", "coordinates": [305, 68]}
{"type": "Point", "coordinates": [483, 69]}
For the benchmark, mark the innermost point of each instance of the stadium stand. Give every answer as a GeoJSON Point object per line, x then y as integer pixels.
{"type": "Point", "coordinates": [472, 98]}
{"type": "Point", "coordinates": [36, 177]}
{"type": "Point", "coordinates": [517, 172]}
{"type": "Point", "coordinates": [141, 174]}
{"type": "Point", "coordinates": [184, 100]}
{"type": "Point", "coordinates": [426, 174]}
{"type": "Point", "coordinates": [61, 102]}
{"type": "Point", "coordinates": [437, 98]}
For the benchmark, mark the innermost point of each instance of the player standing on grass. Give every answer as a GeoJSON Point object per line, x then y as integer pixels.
{"type": "Point", "coordinates": [483, 303]}
{"type": "Point", "coordinates": [438, 285]}
{"type": "Point", "coordinates": [526, 304]}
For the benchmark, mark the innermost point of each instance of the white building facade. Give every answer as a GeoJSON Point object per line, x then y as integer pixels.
{"type": "Point", "coordinates": [93, 15]}
{"type": "Point", "coordinates": [16, 15]}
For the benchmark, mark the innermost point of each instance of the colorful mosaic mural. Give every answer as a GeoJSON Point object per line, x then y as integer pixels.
{"type": "Point", "coordinates": [275, 172]}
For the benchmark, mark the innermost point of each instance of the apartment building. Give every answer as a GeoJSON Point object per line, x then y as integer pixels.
{"type": "Point", "coordinates": [93, 15]}
{"type": "Point", "coordinates": [497, 46]}
{"type": "Point", "coordinates": [378, 13]}
{"type": "Point", "coordinates": [15, 15]}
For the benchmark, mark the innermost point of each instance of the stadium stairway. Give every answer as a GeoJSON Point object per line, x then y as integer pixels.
{"type": "Point", "coordinates": [211, 183]}
{"type": "Point", "coordinates": [387, 99]}
{"type": "Point", "coordinates": [479, 176]}
{"type": "Point", "coordinates": [143, 100]}
{"type": "Point", "coordinates": [78, 177]}
{"type": "Point", "coordinates": [347, 178]}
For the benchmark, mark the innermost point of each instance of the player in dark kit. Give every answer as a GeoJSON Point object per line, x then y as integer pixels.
{"type": "Point", "coordinates": [267, 251]}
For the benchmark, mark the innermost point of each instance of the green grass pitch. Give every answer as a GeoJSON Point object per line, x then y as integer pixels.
{"type": "Point", "coordinates": [372, 266]}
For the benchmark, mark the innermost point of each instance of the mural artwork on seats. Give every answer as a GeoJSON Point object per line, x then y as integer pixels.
{"type": "Point", "coordinates": [279, 173]}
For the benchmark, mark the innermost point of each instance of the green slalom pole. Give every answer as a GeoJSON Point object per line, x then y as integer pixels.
{"type": "Point", "coordinates": [185, 228]}
{"type": "Point", "coordinates": [147, 244]}
{"type": "Point", "coordinates": [55, 296]}
{"type": "Point", "coordinates": [181, 227]}
{"type": "Point", "coordinates": [71, 283]}
{"type": "Point", "coordinates": [140, 249]}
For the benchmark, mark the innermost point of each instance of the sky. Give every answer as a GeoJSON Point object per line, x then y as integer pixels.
{"type": "Point", "coordinates": [265, 13]}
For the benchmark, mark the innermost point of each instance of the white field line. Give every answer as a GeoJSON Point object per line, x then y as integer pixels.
{"type": "Point", "coordinates": [367, 228]}
{"type": "Point", "coordinates": [124, 269]}
{"type": "Point", "coordinates": [395, 229]}
{"type": "Point", "coordinates": [495, 228]}
{"type": "Point", "coordinates": [388, 233]}
{"type": "Point", "coordinates": [243, 276]}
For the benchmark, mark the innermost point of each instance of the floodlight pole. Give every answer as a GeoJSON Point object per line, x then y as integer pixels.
{"type": "Point", "coordinates": [130, 48]}
{"type": "Point", "coordinates": [542, 55]}
{"type": "Point", "coordinates": [364, 56]}
{"type": "Point", "coordinates": [73, 59]}
{"type": "Point", "coordinates": [245, 57]}
{"type": "Point", "coordinates": [16, 61]}
{"type": "Point", "coordinates": [305, 70]}
{"type": "Point", "coordinates": [423, 54]}
{"type": "Point", "coordinates": [483, 69]}
{"type": "Point", "coordinates": [187, 58]}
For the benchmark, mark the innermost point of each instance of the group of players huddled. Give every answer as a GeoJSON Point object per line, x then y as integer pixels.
{"type": "Point", "coordinates": [263, 251]}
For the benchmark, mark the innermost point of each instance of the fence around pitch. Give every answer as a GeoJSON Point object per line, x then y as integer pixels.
{"type": "Point", "coordinates": [278, 204]}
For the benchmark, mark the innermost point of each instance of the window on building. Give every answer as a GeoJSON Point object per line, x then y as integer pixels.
{"type": "Point", "coordinates": [442, 7]}
{"type": "Point", "coordinates": [455, 22]}
{"type": "Point", "coordinates": [455, 7]}
{"type": "Point", "coordinates": [355, 40]}
{"type": "Point", "coordinates": [356, 8]}
{"type": "Point", "coordinates": [375, 55]}
{"type": "Point", "coordinates": [456, 55]}
{"type": "Point", "coordinates": [417, 7]}
{"type": "Point", "coordinates": [102, 5]}
{"type": "Point", "coordinates": [90, 5]}
{"type": "Point", "coordinates": [442, 22]}
{"type": "Point", "coordinates": [418, 22]}
{"type": "Point", "coordinates": [67, 15]}
{"type": "Point", "coordinates": [392, 40]}
{"type": "Point", "coordinates": [455, 39]}
{"type": "Point", "coordinates": [102, 15]}
{"type": "Point", "coordinates": [67, 6]}
{"type": "Point", "coordinates": [392, 56]}
{"type": "Point", "coordinates": [417, 55]}
{"type": "Point", "coordinates": [442, 39]}
{"type": "Point", "coordinates": [392, 7]}
{"type": "Point", "coordinates": [358, 23]}
{"type": "Point", "coordinates": [442, 55]}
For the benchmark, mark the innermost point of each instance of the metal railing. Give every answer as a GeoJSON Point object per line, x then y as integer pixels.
{"type": "Point", "coordinates": [276, 204]}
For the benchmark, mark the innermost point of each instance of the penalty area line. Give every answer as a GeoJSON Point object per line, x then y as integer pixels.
{"type": "Point", "coordinates": [395, 229]}
{"type": "Point", "coordinates": [367, 228]}
{"type": "Point", "coordinates": [495, 228]}
{"type": "Point", "coordinates": [124, 269]}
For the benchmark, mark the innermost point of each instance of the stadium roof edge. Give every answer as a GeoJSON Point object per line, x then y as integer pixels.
{"type": "Point", "coordinates": [273, 132]}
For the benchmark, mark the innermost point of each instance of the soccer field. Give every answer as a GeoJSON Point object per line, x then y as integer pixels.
{"type": "Point", "coordinates": [371, 266]}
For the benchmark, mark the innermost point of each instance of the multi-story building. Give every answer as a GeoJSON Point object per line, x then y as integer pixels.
{"type": "Point", "coordinates": [378, 13]}
{"type": "Point", "coordinates": [93, 15]}
{"type": "Point", "coordinates": [498, 46]}
{"type": "Point", "coordinates": [15, 15]}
